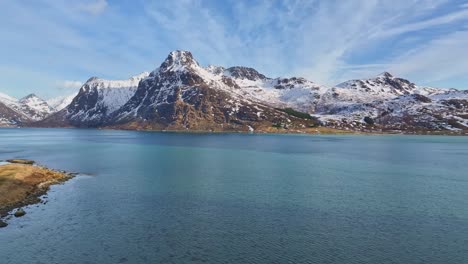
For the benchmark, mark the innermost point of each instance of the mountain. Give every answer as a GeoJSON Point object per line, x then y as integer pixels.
{"type": "Point", "coordinates": [10, 117]}
{"type": "Point", "coordinates": [96, 100]}
{"type": "Point", "coordinates": [35, 107]}
{"type": "Point", "coordinates": [390, 103]}
{"type": "Point", "coordinates": [30, 107]}
{"type": "Point", "coordinates": [183, 95]}
{"type": "Point", "coordinates": [294, 92]}
{"type": "Point", "coordinates": [59, 103]}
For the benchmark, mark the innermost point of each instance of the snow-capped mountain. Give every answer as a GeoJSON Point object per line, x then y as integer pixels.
{"type": "Point", "coordinates": [8, 100]}
{"type": "Point", "coordinates": [30, 106]}
{"type": "Point", "coordinates": [392, 103]}
{"type": "Point", "coordinates": [35, 107]}
{"type": "Point", "coordinates": [96, 100]}
{"type": "Point", "coordinates": [181, 94]}
{"type": "Point", "coordinates": [10, 117]}
{"type": "Point", "coordinates": [59, 103]}
{"type": "Point", "coordinates": [294, 92]}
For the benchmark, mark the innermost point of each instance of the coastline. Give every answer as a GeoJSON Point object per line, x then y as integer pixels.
{"type": "Point", "coordinates": [322, 130]}
{"type": "Point", "coordinates": [22, 183]}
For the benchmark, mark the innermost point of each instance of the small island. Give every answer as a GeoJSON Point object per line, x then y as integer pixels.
{"type": "Point", "coordinates": [22, 183]}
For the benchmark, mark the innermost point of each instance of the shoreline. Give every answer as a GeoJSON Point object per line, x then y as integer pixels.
{"type": "Point", "coordinates": [308, 131]}
{"type": "Point", "coordinates": [22, 183]}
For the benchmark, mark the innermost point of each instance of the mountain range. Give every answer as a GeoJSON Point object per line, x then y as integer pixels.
{"type": "Point", "coordinates": [183, 95]}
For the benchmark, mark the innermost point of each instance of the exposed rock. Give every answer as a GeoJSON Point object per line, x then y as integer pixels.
{"type": "Point", "coordinates": [183, 95]}
{"type": "Point", "coordinates": [19, 213]}
{"type": "Point", "coordinates": [3, 224]}
{"type": "Point", "coordinates": [21, 161]}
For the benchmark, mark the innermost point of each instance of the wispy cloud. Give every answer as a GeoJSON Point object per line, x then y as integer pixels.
{"type": "Point", "coordinates": [325, 41]}
{"type": "Point", "coordinates": [426, 24]}
{"type": "Point", "coordinates": [440, 59]}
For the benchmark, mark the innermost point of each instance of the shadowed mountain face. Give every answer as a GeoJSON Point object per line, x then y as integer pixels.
{"type": "Point", "coordinates": [182, 95]}
{"type": "Point", "coordinates": [179, 95]}
{"type": "Point", "coordinates": [10, 117]}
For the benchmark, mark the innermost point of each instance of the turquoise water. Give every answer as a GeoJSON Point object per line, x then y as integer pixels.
{"type": "Point", "coordinates": [237, 198]}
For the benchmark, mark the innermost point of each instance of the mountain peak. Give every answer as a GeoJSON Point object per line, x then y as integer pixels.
{"type": "Point", "coordinates": [140, 76]}
{"type": "Point", "coordinates": [92, 79]}
{"type": "Point", "coordinates": [178, 60]}
{"type": "Point", "coordinates": [245, 73]}
{"type": "Point", "coordinates": [385, 75]}
{"type": "Point", "coordinates": [29, 96]}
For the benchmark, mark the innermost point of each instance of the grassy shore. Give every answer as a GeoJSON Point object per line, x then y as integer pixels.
{"type": "Point", "coordinates": [22, 184]}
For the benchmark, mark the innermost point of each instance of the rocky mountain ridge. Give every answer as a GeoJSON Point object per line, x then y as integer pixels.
{"type": "Point", "coordinates": [27, 109]}
{"type": "Point", "coordinates": [183, 95]}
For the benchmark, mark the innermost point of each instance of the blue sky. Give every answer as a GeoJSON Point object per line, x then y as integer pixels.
{"type": "Point", "coordinates": [51, 46]}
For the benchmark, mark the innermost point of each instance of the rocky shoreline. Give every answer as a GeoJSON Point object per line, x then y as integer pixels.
{"type": "Point", "coordinates": [22, 183]}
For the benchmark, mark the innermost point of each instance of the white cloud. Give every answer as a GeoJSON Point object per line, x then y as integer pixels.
{"type": "Point", "coordinates": [69, 84]}
{"type": "Point", "coordinates": [446, 19]}
{"type": "Point", "coordinates": [440, 59]}
{"type": "Point", "coordinates": [95, 7]}
{"type": "Point", "coordinates": [324, 41]}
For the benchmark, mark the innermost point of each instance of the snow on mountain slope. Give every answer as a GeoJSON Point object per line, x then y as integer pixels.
{"type": "Point", "coordinates": [181, 94]}
{"type": "Point", "coordinates": [59, 103]}
{"type": "Point", "coordinates": [11, 117]}
{"type": "Point", "coordinates": [8, 100]}
{"type": "Point", "coordinates": [30, 106]}
{"type": "Point", "coordinates": [178, 73]}
{"type": "Point", "coordinates": [98, 98]}
{"type": "Point", "coordinates": [393, 103]}
{"type": "Point", "coordinates": [242, 84]}
{"type": "Point", "coordinates": [384, 83]}
{"type": "Point", "coordinates": [297, 93]}
{"type": "Point", "coordinates": [35, 107]}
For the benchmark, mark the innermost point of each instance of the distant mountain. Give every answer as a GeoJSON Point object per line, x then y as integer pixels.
{"type": "Point", "coordinates": [31, 106]}
{"type": "Point", "coordinates": [96, 100]}
{"type": "Point", "coordinates": [10, 117]}
{"type": "Point", "coordinates": [59, 103]}
{"type": "Point", "coordinates": [390, 103]}
{"type": "Point", "coordinates": [183, 95]}
{"type": "Point", "coordinates": [35, 107]}
{"type": "Point", "coordinates": [294, 92]}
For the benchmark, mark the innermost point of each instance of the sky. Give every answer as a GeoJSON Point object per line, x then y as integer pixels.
{"type": "Point", "coordinates": [50, 47]}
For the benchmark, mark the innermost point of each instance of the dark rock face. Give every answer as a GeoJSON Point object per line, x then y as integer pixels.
{"type": "Point", "coordinates": [177, 97]}
{"type": "Point", "coordinates": [457, 103]}
{"type": "Point", "coordinates": [421, 98]}
{"type": "Point", "coordinates": [369, 120]}
{"type": "Point", "coordinates": [288, 83]}
{"type": "Point", "coordinates": [182, 95]}
{"type": "Point", "coordinates": [3, 224]}
{"type": "Point", "coordinates": [245, 73]}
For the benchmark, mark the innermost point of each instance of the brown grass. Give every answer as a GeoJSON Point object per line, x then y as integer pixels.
{"type": "Point", "coordinates": [20, 184]}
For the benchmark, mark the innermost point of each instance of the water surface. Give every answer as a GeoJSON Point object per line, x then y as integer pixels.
{"type": "Point", "coordinates": [237, 198]}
